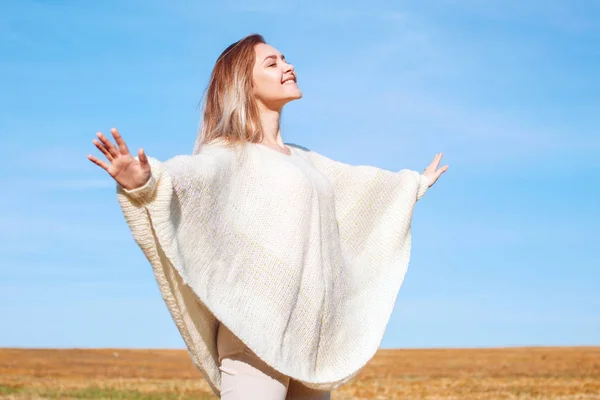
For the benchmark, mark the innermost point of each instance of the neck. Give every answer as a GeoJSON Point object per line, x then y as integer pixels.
{"type": "Point", "coordinates": [270, 124]}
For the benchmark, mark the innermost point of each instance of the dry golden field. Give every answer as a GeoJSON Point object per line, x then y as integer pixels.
{"type": "Point", "coordinates": [514, 373]}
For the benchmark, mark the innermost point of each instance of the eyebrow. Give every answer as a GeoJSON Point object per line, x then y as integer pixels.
{"type": "Point", "coordinates": [274, 56]}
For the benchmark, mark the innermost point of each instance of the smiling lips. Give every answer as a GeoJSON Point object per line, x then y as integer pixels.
{"type": "Point", "coordinates": [289, 81]}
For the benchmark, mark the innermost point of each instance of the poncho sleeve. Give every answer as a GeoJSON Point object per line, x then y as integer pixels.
{"type": "Point", "coordinates": [343, 176]}
{"type": "Point", "coordinates": [153, 213]}
{"type": "Point", "coordinates": [373, 207]}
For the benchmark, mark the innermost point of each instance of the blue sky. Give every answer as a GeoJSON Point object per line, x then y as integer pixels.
{"type": "Point", "coordinates": [503, 244]}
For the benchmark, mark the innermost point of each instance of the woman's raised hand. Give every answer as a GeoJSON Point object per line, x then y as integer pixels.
{"type": "Point", "coordinates": [124, 168]}
{"type": "Point", "coordinates": [432, 172]}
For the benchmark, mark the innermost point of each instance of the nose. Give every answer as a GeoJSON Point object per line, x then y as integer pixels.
{"type": "Point", "coordinates": [290, 67]}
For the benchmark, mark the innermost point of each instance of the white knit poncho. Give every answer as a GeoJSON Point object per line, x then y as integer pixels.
{"type": "Point", "coordinates": [300, 256]}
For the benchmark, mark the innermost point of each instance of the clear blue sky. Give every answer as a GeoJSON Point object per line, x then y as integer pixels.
{"type": "Point", "coordinates": [504, 245]}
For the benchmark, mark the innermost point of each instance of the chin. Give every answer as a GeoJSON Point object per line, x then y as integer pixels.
{"type": "Point", "coordinates": [287, 99]}
{"type": "Point", "coordinates": [297, 95]}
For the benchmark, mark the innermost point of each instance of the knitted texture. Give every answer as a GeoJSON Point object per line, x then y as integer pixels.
{"type": "Point", "coordinates": [300, 256]}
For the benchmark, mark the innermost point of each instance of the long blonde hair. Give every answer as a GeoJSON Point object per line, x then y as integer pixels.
{"type": "Point", "coordinates": [230, 112]}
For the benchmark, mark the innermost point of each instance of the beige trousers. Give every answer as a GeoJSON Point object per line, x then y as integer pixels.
{"type": "Point", "coordinates": [245, 376]}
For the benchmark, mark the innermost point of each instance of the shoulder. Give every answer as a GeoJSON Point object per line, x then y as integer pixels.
{"type": "Point", "coordinates": [208, 159]}
{"type": "Point", "coordinates": [297, 146]}
{"type": "Point", "coordinates": [312, 155]}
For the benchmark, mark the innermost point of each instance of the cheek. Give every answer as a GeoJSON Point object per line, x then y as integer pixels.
{"type": "Point", "coordinates": [267, 83]}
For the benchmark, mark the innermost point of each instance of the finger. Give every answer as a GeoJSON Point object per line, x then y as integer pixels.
{"type": "Point", "coordinates": [143, 159]}
{"type": "Point", "coordinates": [109, 146]}
{"type": "Point", "coordinates": [434, 163]}
{"type": "Point", "coordinates": [103, 150]}
{"type": "Point", "coordinates": [120, 142]}
{"type": "Point", "coordinates": [441, 170]}
{"type": "Point", "coordinates": [100, 163]}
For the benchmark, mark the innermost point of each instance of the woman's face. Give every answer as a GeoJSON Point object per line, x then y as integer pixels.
{"type": "Point", "coordinates": [273, 79]}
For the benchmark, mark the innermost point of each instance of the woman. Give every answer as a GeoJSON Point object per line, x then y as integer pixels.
{"type": "Point", "coordinates": [279, 266]}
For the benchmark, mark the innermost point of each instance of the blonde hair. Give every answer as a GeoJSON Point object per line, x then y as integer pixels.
{"type": "Point", "coordinates": [230, 112]}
